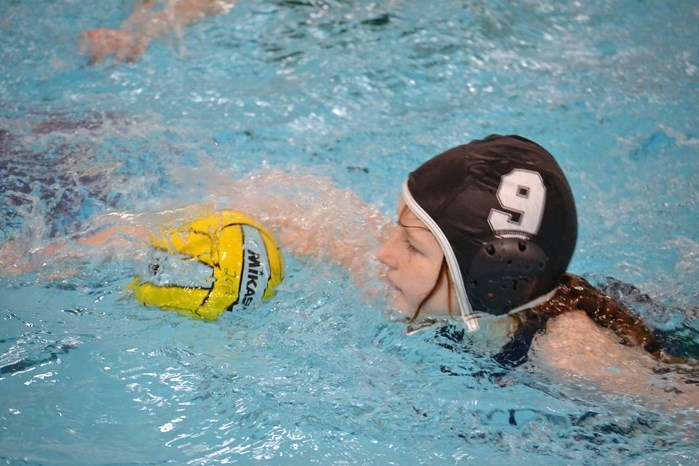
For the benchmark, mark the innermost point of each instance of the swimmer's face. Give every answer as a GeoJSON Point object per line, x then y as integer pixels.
{"type": "Point", "coordinates": [414, 259]}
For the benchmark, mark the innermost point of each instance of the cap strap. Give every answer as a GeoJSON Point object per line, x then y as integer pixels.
{"type": "Point", "coordinates": [469, 317]}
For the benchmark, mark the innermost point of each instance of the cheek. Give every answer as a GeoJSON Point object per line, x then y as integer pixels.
{"type": "Point", "coordinates": [422, 276]}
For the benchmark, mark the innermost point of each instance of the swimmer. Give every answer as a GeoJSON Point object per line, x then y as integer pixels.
{"type": "Point", "coordinates": [492, 225]}
{"type": "Point", "coordinates": [483, 239]}
{"type": "Point", "coordinates": [485, 233]}
{"type": "Point", "coordinates": [148, 20]}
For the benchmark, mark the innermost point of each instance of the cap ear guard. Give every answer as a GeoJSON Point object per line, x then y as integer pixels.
{"type": "Point", "coordinates": [505, 273]}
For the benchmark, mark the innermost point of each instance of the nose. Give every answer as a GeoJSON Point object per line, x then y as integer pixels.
{"type": "Point", "coordinates": [385, 252]}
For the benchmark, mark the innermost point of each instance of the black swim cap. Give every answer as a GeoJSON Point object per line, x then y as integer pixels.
{"type": "Point", "coordinates": [503, 213]}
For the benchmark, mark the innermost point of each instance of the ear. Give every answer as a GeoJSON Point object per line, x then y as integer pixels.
{"type": "Point", "coordinates": [506, 273]}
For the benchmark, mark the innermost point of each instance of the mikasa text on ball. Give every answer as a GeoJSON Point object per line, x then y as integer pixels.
{"type": "Point", "coordinates": [224, 261]}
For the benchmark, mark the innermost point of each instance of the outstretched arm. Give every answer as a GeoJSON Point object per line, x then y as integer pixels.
{"type": "Point", "coordinates": [129, 42]}
{"type": "Point", "coordinates": [309, 215]}
{"type": "Point", "coordinates": [111, 236]}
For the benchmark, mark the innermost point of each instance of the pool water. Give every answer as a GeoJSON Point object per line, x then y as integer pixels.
{"type": "Point", "coordinates": [361, 92]}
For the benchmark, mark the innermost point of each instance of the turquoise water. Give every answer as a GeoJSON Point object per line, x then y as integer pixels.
{"type": "Point", "coordinates": [361, 92]}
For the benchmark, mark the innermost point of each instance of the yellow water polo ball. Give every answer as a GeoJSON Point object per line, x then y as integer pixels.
{"type": "Point", "coordinates": [224, 261]}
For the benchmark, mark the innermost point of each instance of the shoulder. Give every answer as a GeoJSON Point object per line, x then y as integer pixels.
{"type": "Point", "coordinates": [576, 293]}
{"type": "Point", "coordinates": [576, 344]}
{"type": "Point", "coordinates": [576, 349]}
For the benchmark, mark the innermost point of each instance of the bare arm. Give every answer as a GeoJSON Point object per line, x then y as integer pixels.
{"type": "Point", "coordinates": [309, 215]}
{"type": "Point", "coordinates": [129, 42]}
{"type": "Point", "coordinates": [146, 20]}
{"type": "Point", "coordinates": [576, 349]}
{"type": "Point", "coordinates": [111, 236]}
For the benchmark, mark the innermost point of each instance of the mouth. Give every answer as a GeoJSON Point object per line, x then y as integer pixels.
{"type": "Point", "coordinates": [394, 293]}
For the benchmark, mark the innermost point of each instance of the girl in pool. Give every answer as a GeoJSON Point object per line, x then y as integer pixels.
{"type": "Point", "coordinates": [484, 236]}
{"type": "Point", "coordinates": [488, 229]}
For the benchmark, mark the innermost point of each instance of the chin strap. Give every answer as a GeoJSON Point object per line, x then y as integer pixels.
{"type": "Point", "coordinates": [468, 315]}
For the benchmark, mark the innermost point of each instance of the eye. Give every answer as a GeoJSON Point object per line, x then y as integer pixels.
{"type": "Point", "coordinates": [410, 247]}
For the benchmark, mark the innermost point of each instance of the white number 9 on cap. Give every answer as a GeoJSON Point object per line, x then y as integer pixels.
{"type": "Point", "coordinates": [523, 196]}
